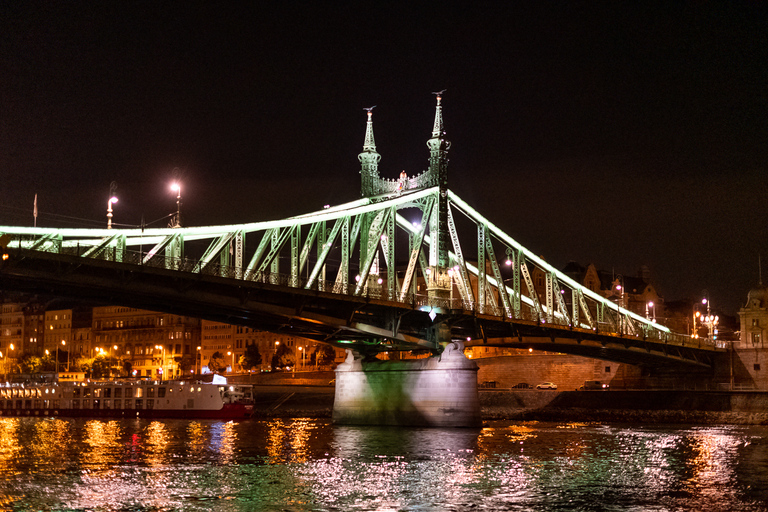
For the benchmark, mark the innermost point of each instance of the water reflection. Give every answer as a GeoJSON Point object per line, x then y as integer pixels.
{"type": "Point", "coordinates": [304, 464]}
{"type": "Point", "coordinates": [9, 445]}
{"type": "Point", "coordinates": [102, 439]}
{"type": "Point", "coordinates": [288, 441]}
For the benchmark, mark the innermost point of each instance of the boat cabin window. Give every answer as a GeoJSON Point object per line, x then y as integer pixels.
{"type": "Point", "coordinates": [118, 403]}
{"type": "Point", "coordinates": [150, 392]}
{"type": "Point", "coordinates": [86, 392]}
{"type": "Point", "coordinates": [76, 392]}
{"type": "Point", "coordinates": [129, 404]}
{"type": "Point", "coordinates": [150, 404]}
{"type": "Point", "coordinates": [139, 392]}
{"type": "Point", "coordinates": [76, 403]}
{"type": "Point", "coordinates": [139, 403]}
{"type": "Point", "coordinates": [161, 392]}
{"type": "Point", "coordinates": [97, 393]}
{"type": "Point", "coordinates": [119, 392]}
{"type": "Point", "coordinates": [86, 404]}
{"type": "Point", "coordinates": [107, 392]}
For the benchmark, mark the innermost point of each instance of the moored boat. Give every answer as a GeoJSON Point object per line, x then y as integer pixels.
{"type": "Point", "coordinates": [212, 398]}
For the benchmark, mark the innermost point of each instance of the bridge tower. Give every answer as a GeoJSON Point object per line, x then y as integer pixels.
{"type": "Point", "coordinates": [439, 281]}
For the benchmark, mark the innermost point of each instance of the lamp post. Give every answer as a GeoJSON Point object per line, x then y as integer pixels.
{"type": "Point", "coordinates": [176, 187]}
{"type": "Point", "coordinates": [3, 358]}
{"type": "Point", "coordinates": [64, 343]}
{"type": "Point", "coordinates": [112, 199]}
{"type": "Point", "coordinates": [301, 356]}
{"type": "Point", "coordinates": [110, 202]}
{"type": "Point", "coordinates": [200, 357]}
{"type": "Point", "coordinates": [232, 367]}
{"type": "Point", "coordinates": [650, 307]}
{"type": "Point", "coordinates": [277, 344]}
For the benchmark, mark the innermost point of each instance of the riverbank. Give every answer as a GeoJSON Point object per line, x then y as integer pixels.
{"type": "Point", "coordinates": [646, 406]}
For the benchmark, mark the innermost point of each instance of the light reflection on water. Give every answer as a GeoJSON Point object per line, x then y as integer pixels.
{"type": "Point", "coordinates": [305, 464]}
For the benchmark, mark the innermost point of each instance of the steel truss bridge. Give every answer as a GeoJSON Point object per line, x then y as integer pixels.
{"type": "Point", "coordinates": [363, 275]}
{"type": "Point", "coordinates": [408, 266]}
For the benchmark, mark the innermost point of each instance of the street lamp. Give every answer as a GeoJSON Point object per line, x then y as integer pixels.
{"type": "Point", "coordinates": [3, 358]}
{"type": "Point", "coordinates": [200, 357]}
{"type": "Point", "coordinates": [112, 199]}
{"type": "Point", "coordinates": [277, 344]}
{"type": "Point", "coordinates": [301, 356]}
{"type": "Point", "coordinates": [176, 187]}
{"type": "Point", "coordinates": [64, 343]}
{"type": "Point", "coordinates": [232, 368]}
{"type": "Point", "coordinates": [11, 347]}
{"type": "Point", "coordinates": [650, 306]}
{"type": "Point", "coordinates": [110, 202]}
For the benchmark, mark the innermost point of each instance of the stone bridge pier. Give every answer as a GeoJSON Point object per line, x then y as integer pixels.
{"type": "Point", "coordinates": [439, 391]}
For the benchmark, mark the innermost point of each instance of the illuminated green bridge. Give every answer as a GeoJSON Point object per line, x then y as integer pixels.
{"type": "Point", "coordinates": [408, 266]}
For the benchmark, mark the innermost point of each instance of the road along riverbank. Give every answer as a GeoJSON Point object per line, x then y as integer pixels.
{"type": "Point", "coordinates": [647, 406]}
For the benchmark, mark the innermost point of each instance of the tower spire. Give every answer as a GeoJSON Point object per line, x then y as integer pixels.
{"type": "Point", "coordinates": [438, 146]}
{"type": "Point", "coordinates": [369, 159]}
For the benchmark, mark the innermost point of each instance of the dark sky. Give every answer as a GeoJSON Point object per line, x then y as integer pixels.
{"type": "Point", "coordinates": [612, 133]}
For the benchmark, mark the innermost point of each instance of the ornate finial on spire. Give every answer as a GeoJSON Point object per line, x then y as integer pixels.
{"type": "Point", "coordinates": [369, 144]}
{"type": "Point", "coordinates": [437, 129]}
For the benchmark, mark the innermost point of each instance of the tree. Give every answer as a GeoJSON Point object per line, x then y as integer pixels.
{"type": "Point", "coordinates": [217, 362]}
{"type": "Point", "coordinates": [84, 364]}
{"type": "Point", "coordinates": [251, 357]}
{"type": "Point", "coordinates": [32, 364]}
{"type": "Point", "coordinates": [185, 363]}
{"type": "Point", "coordinates": [283, 357]}
{"type": "Point", "coordinates": [101, 367]}
{"type": "Point", "coordinates": [324, 355]}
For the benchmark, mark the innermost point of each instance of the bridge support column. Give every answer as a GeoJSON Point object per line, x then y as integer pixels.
{"type": "Point", "coordinates": [440, 391]}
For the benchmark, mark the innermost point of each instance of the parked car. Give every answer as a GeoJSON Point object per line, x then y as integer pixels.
{"type": "Point", "coordinates": [593, 385]}
{"type": "Point", "coordinates": [546, 385]}
{"type": "Point", "coordinates": [522, 385]}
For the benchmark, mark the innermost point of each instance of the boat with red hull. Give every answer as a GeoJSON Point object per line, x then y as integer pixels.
{"type": "Point", "coordinates": [209, 398]}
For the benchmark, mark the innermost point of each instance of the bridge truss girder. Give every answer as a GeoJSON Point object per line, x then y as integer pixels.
{"type": "Point", "coordinates": [379, 250]}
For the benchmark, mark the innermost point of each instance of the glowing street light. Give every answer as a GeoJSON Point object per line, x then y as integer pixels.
{"type": "Point", "coordinates": [112, 199]}
{"type": "Point", "coordinates": [650, 307]}
{"type": "Point", "coordinates": [200, 357]}
{"type": "Point", "coordinates": [232, 368]}
{"type": "Point", "coordinates": [176, 187]}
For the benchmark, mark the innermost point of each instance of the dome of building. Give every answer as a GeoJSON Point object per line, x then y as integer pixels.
{"type": "Point", "coordinates": [757, 297]}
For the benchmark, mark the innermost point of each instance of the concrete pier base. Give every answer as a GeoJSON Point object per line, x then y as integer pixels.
{"type": "Point", "coordinates": [440, 391]}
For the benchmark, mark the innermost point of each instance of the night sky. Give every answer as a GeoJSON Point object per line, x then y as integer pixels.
{"type": "Point", "coordinates": [608, 133]}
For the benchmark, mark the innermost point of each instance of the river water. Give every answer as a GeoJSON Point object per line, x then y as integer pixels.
{"type": "Point", "coordinates": [310, 464]}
